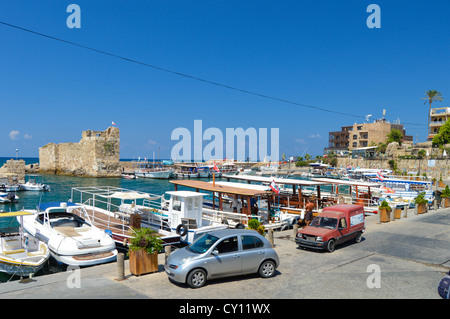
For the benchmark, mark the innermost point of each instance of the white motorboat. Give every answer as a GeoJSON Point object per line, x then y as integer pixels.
{"type": "Point", "coordinates": [9, 188]}
{"type": "Point", "coordinates": [8, 198]}
{"type": "Point", "coordinates": [70, 234]}
{"type": "Point", "coordinates": [32, 185]}
{"type": "Point", "coordinates": [20, 253]}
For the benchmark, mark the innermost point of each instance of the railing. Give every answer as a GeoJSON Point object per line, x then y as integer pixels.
{"type": "Point", "coordinates": [219, 216]}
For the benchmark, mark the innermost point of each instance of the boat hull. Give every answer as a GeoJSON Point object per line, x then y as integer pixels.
{"type": "Point", "coordinates": [158, 174]}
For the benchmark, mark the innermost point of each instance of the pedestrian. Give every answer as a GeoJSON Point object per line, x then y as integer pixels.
{"type": "Point", "coordinates": [309, 214]}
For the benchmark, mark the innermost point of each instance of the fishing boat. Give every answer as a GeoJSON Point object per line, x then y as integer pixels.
{"type": "Point", "coordinates": [187, 171]}
{"type": "Point", "coordinates": [32, 185]}
{"type": "Point", "coordinates": [20, 253]}
{"type": "Point", "coordinates": [67, 230]}
{"type": "Point", "coordinates": [8, 198]}
{"type": "Point", "coordinates": [229, 168]}
{"type": "Point", "coordinates": [152, 170]}
{"type": "Point", "coordinates": [207, 171]}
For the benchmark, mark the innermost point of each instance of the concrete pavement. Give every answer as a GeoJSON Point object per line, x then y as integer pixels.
{"type": "Point", "coordinates": [401, 259]}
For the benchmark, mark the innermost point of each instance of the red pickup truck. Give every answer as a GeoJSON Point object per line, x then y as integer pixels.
{"type": "Point", "coordinates": [335, 225]}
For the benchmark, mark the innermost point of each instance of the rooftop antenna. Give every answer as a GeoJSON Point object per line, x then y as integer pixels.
{"type": "Point", "coordinates": [384, 113]}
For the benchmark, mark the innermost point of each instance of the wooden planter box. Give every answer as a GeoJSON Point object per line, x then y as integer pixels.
{"type": "Point", "coordinates": [384, 216]}
{"type": "Point", "coordinates": [445, 202]}
{"type": "Point", "coordinates": [142, 263]}
{"type": "Point", "coordinates": [398, 213]}
{"type": "Point", "coordinates": [441, 184]}
{"type": "Point", "coordinates": [421, 208]}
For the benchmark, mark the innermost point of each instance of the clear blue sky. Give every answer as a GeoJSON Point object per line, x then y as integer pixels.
{"type": "Point", "coordinates": [318, 53]}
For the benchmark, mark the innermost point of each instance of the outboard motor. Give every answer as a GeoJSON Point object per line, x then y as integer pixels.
{"type": "Point", "coordinates": [11, 197]}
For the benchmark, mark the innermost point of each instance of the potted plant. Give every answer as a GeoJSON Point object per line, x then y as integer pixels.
{"type": "Point", "coordinates": [143, 251]}
{"type": "Point", "coordinates": [256, 225]}
{"type": "Point", "coordinates": [446, 197]}
{"type": "Point", "coordinates": [441, 183]}
{"type": "Point", "coordinates": [421, 203]}
{"type": "Point", "coordinates": [384, 211]}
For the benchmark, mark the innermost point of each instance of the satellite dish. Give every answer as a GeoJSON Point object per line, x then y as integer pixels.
{"type": "Point", "coordinates": [367, 117]}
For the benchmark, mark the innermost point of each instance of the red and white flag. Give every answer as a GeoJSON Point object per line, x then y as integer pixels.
{"type": "Point", "coordinates": [216, 168]}
{"type": "Point", "coordinates": [380, 177]}
{"type": "Point", "coordinates": [275, 187]}
{"type": "Point", "coordinates": [113, 123]}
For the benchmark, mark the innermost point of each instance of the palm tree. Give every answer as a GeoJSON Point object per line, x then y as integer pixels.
{"type": "Point", "coordinates": [430, 97]}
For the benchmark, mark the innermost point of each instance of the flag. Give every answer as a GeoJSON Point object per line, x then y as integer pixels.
{"type": "Point", "coordinates": [380, 177]}
{"type": "Point", "coordinates": [274, 187]}
{"type": "Point", "coordinates": [216, 168]}
{"type": "Point", "coordinates": [113, 123]}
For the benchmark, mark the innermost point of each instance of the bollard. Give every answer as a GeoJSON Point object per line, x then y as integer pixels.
{"type": "Point", "coordinates": [294, 231]}
{"type": "Point", "coordinates": [167, 251]}
{"type": "Point", "coordinates": [270, 237]}
{"type": "Point", "coordinates": [379, 217]}
{"type": "Point", "coordinates": [406, 211]}
{"type": "Point", "coordinates": [435, 204]}
{"type": "Point", "coordinates": [120, 266]}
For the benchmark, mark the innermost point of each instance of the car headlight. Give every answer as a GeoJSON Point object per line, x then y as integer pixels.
{"type": "Point", "coordinates": [318, 238]}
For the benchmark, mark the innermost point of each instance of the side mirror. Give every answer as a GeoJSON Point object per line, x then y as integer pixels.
{"type": "Point", "coordinates": [215, 252]}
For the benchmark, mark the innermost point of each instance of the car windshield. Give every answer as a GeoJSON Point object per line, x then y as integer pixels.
{"type": "Point", "coordinates": [324, 222]}
{"type": "Point", "coordinates": [203, 243]}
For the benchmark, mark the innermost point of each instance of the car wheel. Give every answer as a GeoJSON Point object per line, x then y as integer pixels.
{"type": "Point", "coordinates": [196, 278]}
{"type": "Point", "coordinates": [331, 245]}
{"type": "Point", "coordinates": [358, 237]}
{"type": "Point", "coordinates": [267, 269]}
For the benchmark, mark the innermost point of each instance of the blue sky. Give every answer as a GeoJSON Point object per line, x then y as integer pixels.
{"type": "Point", "coordinates": [318, 53]}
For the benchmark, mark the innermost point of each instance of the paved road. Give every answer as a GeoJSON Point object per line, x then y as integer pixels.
{"type": "Point", "coordinates": [411, 254]}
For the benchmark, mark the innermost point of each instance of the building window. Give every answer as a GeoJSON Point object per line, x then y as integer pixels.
{"type": "Point", "coordinates": [355, 144]}
{"type": "Point", "coordinates": [355, 137]}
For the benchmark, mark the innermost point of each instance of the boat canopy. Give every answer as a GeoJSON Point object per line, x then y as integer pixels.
{"type": "Point", "coordinates": [132, 196]}
{"type": "Point", "coordinates": [44, 206]}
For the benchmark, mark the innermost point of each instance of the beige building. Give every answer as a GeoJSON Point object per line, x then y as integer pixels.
{"type": "Point", "coordinates": [96, 155]}
{"type": "Point", "coordinates": [438, 117]}
{"type": "Point", "coordinates": [363, 135]}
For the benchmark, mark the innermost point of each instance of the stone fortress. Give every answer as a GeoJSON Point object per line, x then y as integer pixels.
{"type": "Point", "coordinates": [97, 154]}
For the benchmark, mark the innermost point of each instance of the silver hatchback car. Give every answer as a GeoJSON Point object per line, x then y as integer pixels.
{"type": "Point", "coordinates": [222, 253]}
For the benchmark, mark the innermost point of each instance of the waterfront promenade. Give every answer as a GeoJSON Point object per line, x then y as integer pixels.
{"type": "Point", "coordinates": [412, 255]}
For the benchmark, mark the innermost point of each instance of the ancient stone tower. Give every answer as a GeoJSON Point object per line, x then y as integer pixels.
{"type": "Point", "coordinates": [96, 155]}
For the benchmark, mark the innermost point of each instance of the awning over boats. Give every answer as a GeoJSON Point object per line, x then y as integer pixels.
{"type": "Point", "coordinates": [132, 196]}
{"type": "Point", "coordinates": [206, 186]}
{"type": "Point", "coordinates": [283, 181]}
{"type": "Point", "coordinates": [345, 182]}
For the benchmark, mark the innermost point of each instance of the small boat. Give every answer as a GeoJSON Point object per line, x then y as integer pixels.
{"type": "Point", "coordinates": [70, 235]}
{"type": "Point", "coordinates": [32, 185]}
{"type": "Point", "coordinates": [9, 188]}
{"type": "Point", "coordinates": [187, 171]}
{"type": "Point", "coordinates": [129, 176]}
{"type": "Point", "coordinates": [8, 198]}
{"type": "Point", "coordinates": [229, 168]}
{"type": "Point", "coordinates": [152, 170]}
{"type": "Point", "coordinates": [20, 253]}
